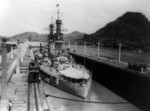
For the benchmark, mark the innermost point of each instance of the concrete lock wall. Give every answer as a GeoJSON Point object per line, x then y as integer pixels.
{"type": "Point", "coordinates": [11, 69]}
{"type": "Point", "coordinates": [13, 65]}
{"type": "Point", "coordinates": [131, 85]}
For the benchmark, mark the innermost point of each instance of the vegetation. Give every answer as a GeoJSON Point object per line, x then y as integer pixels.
{"type": "Point", "coordinates": [73, 36]}
{"type": "Point", "coordinates": [132, 29]}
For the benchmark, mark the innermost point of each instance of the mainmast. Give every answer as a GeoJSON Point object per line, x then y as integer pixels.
{"type": "Point", "coordinates": [58, 35]}
{"type": "Point", "coordinates": [58, 10]}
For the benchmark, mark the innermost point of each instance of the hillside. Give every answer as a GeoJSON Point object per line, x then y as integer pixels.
{"type": "Point", "coordinates": [43, 37]}
{"type": "Point", "coordinates": [1, 39]}
{"type": "Point", "coordinates": [32, 35]}
{"type": "Point", "coordinates": [73, 36]}
{"type": "Point", "coordinates": [132, 29]}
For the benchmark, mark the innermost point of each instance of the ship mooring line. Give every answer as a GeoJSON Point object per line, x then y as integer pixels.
{"type": "Point", "coordinates": [93, 102]}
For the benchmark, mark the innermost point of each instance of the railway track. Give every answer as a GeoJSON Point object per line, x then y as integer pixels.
{"type": "Point", "coordinates": [34, 97]}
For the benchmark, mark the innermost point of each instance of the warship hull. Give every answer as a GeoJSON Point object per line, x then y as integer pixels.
{"type": "Point", "coordinates": [76, 89]}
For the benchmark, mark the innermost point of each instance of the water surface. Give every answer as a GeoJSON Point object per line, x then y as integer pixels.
{"type": "Point", "coordinates": [97, 93]}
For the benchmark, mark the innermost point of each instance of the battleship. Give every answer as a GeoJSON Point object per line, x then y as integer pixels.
{"type": "Point", "coordinates": [58, 68]}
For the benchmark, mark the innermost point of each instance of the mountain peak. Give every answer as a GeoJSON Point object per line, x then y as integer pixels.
{"type": "Point", "coordinates": [75, 32]}
{"type": "Point", "coordinates": [73, 35]}
{"type": "Point", "coordinates": [33, 35]}
{"type": "Point", "coordinates": [132, 28]}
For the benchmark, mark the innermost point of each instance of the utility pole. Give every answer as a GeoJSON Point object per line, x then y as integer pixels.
{"type": "Point", "coordinates": [69, 45]}
{"type": "Point", "coordinates": [98, 50]}
{"type": "Point", "coordinates": [18, 58]}
{"type": "Point", "coordinates": [85, 48]}
{"type": "Point", "coordinates": [40, 48]}
{"type": "Point", "coordinates": [119, 52]}
{"type": "Point", "coordinates": [4, 100]}
{"type": "Point", "coordinates": [76, 46]}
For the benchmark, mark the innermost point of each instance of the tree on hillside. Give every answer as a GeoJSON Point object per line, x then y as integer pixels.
{"type": "Point", "coordinates": [133, 28]}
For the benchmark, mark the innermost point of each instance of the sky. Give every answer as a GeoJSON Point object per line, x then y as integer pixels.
{"type": "Point", "coordinates": [19, 16]}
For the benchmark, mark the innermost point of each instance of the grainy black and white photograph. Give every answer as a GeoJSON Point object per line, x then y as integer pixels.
{"type": "Point", "coordinates": [74, 55]}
